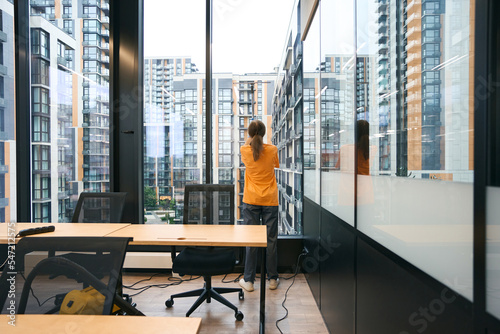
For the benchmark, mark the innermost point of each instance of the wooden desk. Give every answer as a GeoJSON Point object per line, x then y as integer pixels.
{"type": "Point", "coordinates": [204, 235]}
{"type": "Point", "coordinates": [88, 324]}
{"type": "Point", "coordinates": [64, 230]}
{"type": "Point", "coordinates": [195, 235]}
{"type": "Point", "coordinates": [168, 235]}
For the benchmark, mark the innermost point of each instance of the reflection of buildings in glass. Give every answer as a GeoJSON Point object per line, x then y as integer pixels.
{"type": "Point", "coordinates": [7, 125]}
{"type": "Point", "coordinates": [70, 111]}
{"type": "Point", "coordinates": [433, 138]}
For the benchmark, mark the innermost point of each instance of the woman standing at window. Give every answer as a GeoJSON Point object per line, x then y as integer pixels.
{"type": "Point", "coordinates": [260, 201]}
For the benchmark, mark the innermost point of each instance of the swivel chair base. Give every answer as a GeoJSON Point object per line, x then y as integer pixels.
{"type": "Point", "coordinates": [206, 294]}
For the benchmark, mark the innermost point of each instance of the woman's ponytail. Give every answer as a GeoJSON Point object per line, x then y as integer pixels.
{"type": "Point", "coordinates": [257, 130]}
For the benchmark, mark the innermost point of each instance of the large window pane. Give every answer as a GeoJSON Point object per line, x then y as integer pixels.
{"type": "Point", "coordinates": [336, 93]}
{"type": "Point", "coordinates": [414, 90]}
{"type": "Point", "coordinates": [245, 57]}
{"type": "Point", "coordinates": [7, 114]}
{"type": "Point", "coordinates": [174, 95]}
{"type": "Point", "coordinates": [69, 104]}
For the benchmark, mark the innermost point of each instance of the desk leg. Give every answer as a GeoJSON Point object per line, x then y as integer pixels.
{"type": "Point", "coordinates": [262, 322]}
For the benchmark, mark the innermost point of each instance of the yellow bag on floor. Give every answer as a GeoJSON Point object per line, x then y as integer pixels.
{"type": "Point", "coordinates": [87, 301]}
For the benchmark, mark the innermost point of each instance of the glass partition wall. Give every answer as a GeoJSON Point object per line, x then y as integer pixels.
{"type": "Point", "coordinates": [414, 91]}
{"type": "Point", "coordinates": [389, 146]}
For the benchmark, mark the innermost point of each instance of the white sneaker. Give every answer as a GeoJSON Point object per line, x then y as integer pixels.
{"type": "Point", "coordinates": [273, 283]}
{"type": "Point", "coordinates": [246, 285]}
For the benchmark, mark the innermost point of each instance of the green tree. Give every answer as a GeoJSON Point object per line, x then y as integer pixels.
{"type": "Point", "coordinates": [149, 197]}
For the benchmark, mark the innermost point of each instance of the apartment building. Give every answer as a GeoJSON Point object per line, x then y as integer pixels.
{"type": "Point", "coordinates": [7, 112]}
{"type": "Point", "coordinates": [174, 118]}
{"type": "Point", "coordinates": [70, 103]}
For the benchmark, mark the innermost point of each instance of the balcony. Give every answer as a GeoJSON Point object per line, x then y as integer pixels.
{"type": "Point", "coordinates": [42, 3]}
{"type": "Point", "coordinates": [3, 70]}
{"type": "Point", "coordinates": [413, 3]}
{"type": "Point", "coordinates": [3, 37]}
{"type": "Point", "coordinates": [298, 51]}
{"type": "Point", "coordinates": [90, 43]}
{"type": "Point", "coordinates": [413, 30]}
{"type": "Point", "coordinates": [62, 61]}
{"type": "Point", "coordinates": [4, 202]}
{"type": "Point", "coordinates": [382, 6]}
{"type": "Point", "coordinates": [90, 16]}
{"type": "Point", "coordinates": [63, 194]}
{"type": "Point", "coordinates": [92, 3]}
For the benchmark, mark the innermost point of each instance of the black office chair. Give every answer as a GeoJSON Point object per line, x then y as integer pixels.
{"type": "Point", "coordinates": [207, 204]}
{"type": "Point", "coordinates": [43, 284]}
{"type": "Point", "coordinates": [99, 207]}
{"type": "Point", "coordinates": [106, 207]}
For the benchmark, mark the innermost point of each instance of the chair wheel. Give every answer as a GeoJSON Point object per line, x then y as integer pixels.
{"type": "Point", "coordinates": [238, 315]}
{"type": "Point", "coordinates": [241, 295]}
{"type": "Point", "coordinates": [169, 302]}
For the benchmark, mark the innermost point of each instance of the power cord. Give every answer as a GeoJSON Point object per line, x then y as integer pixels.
{"type": "Point", "coordinates": [175, 281]}
{"type": "Point", "coordinates": [4, 262]}
{"type": "Point", "coordinates": [236, 280]}
{"type": "Point", "coordinates": [286, 292]}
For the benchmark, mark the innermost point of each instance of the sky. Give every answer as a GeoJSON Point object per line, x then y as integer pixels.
{"type": "Point", "coordinates": [248, 35]}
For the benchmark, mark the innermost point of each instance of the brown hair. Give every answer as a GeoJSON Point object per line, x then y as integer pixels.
{"type": "Point", "coordinates": [257, 130]}
{"type": "Point", "coordinates": [363, 128]}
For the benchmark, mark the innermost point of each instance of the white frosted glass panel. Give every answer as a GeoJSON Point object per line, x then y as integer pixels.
{"type": "Point", "coordinates": [311, 186]}
{"type": "Point", "coordinates": [493, 251]}
{"type": "Point", "coordinates": [426, 222]}
{"type": "Point", "coordinates": [337, 194]}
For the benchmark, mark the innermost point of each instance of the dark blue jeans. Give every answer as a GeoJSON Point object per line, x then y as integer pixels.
{"type": "Point", "coordinates": [258, 215]}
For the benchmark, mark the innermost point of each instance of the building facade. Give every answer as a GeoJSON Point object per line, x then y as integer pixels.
{"type": "Point", "coordinates": [7, 114]}
{"type": "Point", "coordinates": [70, 104]}
{"type": "Point", "coordinates": [174, 120]}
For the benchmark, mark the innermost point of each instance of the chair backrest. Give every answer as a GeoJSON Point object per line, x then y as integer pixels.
{"type": "Point", "coordinates": [48, 268]}
{"type": "Point", "coordinates": [209, 204]}
{"type": "Point", "coordinates": [99, 207]}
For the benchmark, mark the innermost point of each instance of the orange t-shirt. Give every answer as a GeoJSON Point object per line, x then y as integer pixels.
{"type": "Point", "coordinates": [260, 181]}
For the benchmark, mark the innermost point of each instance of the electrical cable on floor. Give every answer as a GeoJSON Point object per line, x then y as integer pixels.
{"type": "Point", "coordinates": [4, 262]}
{"type": "Point", "coordinates": [286, 292]}
{"type": "Point", "coordinates": [236, 280]}
{"type": "Point", "coordinates": [176, 281]}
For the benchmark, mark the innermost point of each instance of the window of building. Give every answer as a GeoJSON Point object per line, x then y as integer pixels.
{"type": "Point", "coordinates": [41, 158]}
{"type": "Point", "coordinates": [40, 72]}
{"type": "Point", "coordinates": [40, 42]}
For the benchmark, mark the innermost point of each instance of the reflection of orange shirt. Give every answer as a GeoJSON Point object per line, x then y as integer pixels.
{"type": "Point", "coordinates": [363, 164]}
{"type": "Point", "coordinates": [260, 181]}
